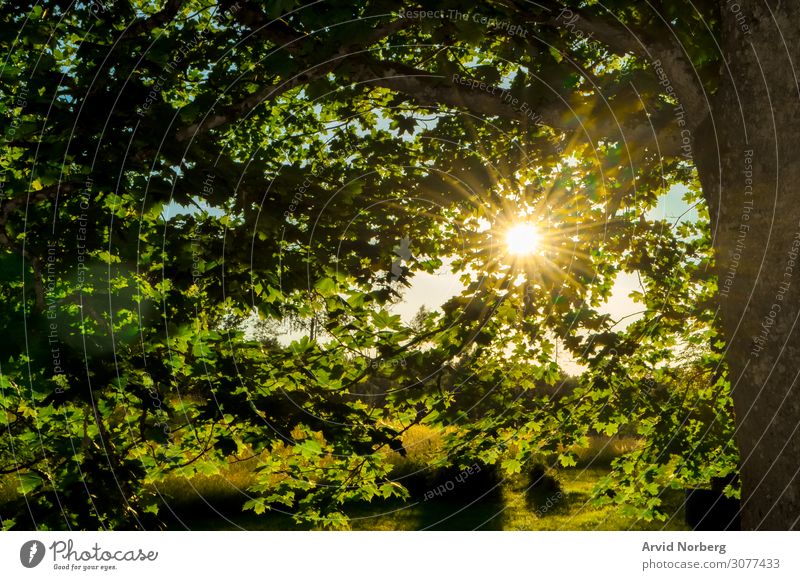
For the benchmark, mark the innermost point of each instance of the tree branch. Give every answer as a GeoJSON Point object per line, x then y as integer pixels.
{"type": "Point", "coordinates": [160, 18]}
{"type": "Point", "coordinates": [432, 90]}
{"type": "Point", "coordinates": [663, 52]}
{"type": "Point", "coordinates": [285, 38]}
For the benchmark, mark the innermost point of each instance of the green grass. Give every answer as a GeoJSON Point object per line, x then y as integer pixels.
{"type": "Point", "coordinates": [228, 483]}
{"type": "Point", "coordinates": [214, 502]}
{"type": "Point", "coordinates": [510, 509]}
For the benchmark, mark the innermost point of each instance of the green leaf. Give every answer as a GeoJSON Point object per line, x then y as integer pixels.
{"type": "Point", "coordinates": [28, 482]}
{"type": "Point", "coordinates": [201, 349]}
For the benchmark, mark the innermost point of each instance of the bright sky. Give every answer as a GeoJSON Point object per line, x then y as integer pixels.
{"type": "Point", "coordinates": [433, 290]}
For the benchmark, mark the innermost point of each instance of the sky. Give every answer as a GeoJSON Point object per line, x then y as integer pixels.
{"type": "Point", "coordinates": [433, 290]}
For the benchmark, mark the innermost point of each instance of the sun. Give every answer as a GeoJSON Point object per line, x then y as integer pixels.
{"type": "Point", "coordinates": [523, 240]}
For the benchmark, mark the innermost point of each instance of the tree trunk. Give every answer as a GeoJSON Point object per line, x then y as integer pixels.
{"type": "Point", "coordinates": [748, 159]}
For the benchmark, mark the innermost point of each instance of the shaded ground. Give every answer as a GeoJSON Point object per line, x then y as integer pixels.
{"type": "Point", "coordinates": [507, 508]}
{"type": "Point", "coordinates": [558, 500]}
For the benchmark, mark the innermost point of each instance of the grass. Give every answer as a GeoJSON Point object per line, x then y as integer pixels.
{"type": "Point", "coordinates": [560, 501]}
{"type": "Point", "coordinates": [230, 482]}
{"type": "Point", "coordinates": [511, 509]}
{"type": "Point", "coordinates": [569, 510]}
{"type": "Point", "coordinates": [602, 450]}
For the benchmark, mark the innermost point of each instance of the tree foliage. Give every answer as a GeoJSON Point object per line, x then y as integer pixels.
{"type": "Point", "coordinates": [173, 168]}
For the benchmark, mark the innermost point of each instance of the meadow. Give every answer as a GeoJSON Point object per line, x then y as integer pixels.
{"type": "Point", "coordinates": [537, 499]}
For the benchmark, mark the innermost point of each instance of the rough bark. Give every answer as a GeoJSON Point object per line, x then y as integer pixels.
{"type": "Point", "coordinates": [746, 153]}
